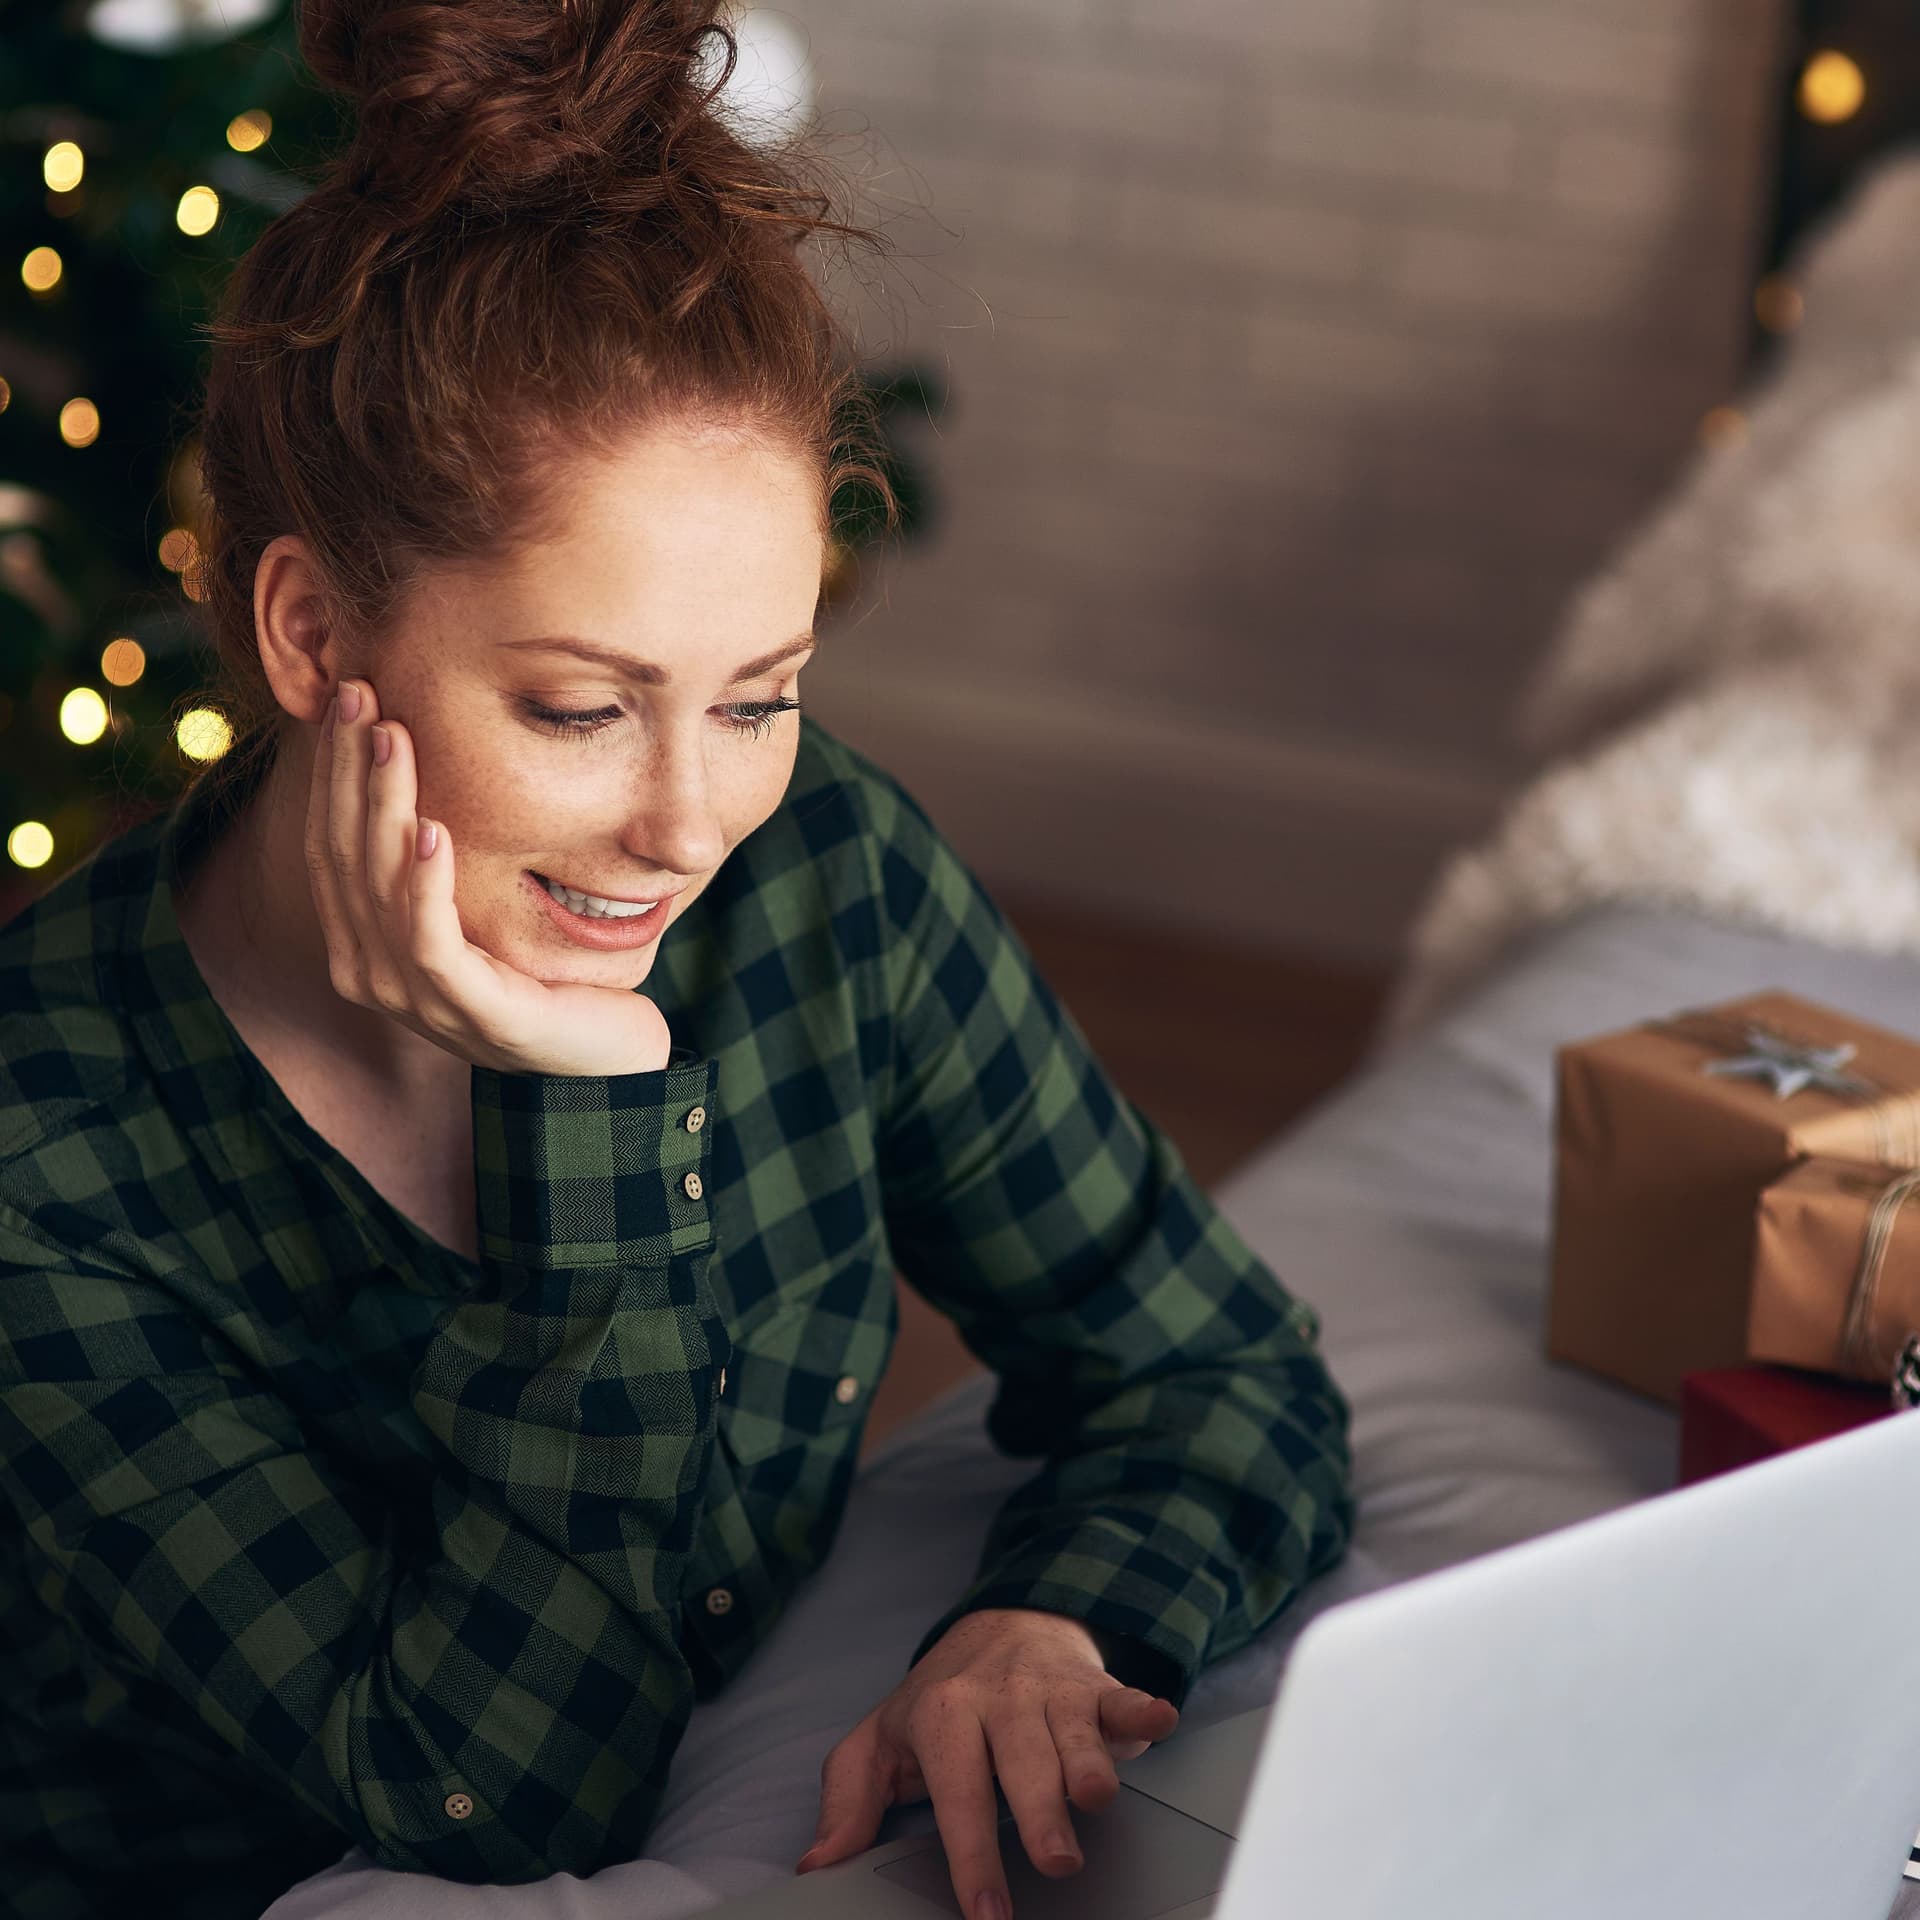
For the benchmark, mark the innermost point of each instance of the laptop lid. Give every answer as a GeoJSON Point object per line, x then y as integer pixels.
{"type": "Point", "coordinates": [1703, 1704]}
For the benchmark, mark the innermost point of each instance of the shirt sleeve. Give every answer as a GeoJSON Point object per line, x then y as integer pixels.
{"type": "Point", "coordinates": [492, 1692]}
{"type": "Point", "coordinates": [1196, 1468]}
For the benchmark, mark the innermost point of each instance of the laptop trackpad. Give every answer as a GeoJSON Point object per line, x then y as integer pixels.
{"type": "Point", "coordinates": [1141, 1858]}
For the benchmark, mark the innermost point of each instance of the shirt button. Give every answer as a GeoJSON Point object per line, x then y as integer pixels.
{"type": "Point", "coordinates": [696, 1119]}
{"type": "Point", "coordinates": [845, 1388]}
{"type": "Point", "coordinates": [459, 1805]}
{"type": "Point", "coordinates": [692, 1186]}
{"type": "Point", "coordinates": [719, 1600]}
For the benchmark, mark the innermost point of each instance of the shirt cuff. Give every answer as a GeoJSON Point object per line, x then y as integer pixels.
{"type": "Point", "coordinates": [589, 1170]}
{"type": "Point", "coordinates": [1157, 1634]}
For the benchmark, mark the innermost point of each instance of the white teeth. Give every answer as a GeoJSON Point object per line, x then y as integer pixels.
{"type": "Point", "coordinates": [593, 906]}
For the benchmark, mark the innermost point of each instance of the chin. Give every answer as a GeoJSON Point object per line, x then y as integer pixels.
{"type": "Point", "coordinates": [587, 969]}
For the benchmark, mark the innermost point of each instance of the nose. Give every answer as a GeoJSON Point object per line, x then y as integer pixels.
{"type": "Point", "coordinates": [673, 821]}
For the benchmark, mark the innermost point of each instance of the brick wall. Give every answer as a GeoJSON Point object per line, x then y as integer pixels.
{"type": "Point", "coordinates": [1304, 354]}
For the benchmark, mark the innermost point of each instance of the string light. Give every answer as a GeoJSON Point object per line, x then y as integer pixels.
{"type": "Point", "coordinates": [41, 269]}
{"type": "Point", "coordinates": [1723, 426]}
{"type": "Point", "coordinates": [30, 844]}
{"type": "Point", "coordinates": [80, 422]}
{"type": "Point", "coordinates": [123, 662]}
{"type": "Point", "coordinates": [246, 131]}
{"type": "Point", "coordinates": [83, 716]}
{"type": "Point", "coordinates": [1832, 88]}
{"type": "Point", "coordinates": [63, 166]}
{"type": "Point", "coordinates": [199, 208]}
{"type": "Point", "coordinates": [1778, 304]}
{"type": "Point", "coordinates": [203, 733]}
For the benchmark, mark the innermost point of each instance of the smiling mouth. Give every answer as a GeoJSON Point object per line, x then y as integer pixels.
{"type": "Point", "coordinates": [593, 906]}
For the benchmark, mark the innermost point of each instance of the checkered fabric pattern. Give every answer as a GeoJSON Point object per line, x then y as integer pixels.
{"type": "Point", "coordinates": [319, 1534]}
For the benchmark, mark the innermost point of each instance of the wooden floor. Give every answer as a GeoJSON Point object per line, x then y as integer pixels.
{"type": "Point", "coordinates": [1219, 1046]}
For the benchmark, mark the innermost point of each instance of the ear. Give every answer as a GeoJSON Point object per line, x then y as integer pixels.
{"type": "Point", "coordinates": [302, 659]}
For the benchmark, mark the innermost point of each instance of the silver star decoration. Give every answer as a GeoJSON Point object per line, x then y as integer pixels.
{"type": "Point", "coordinates": [1791, 1067]}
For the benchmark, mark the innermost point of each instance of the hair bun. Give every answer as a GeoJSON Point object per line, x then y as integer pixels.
{"type": "Point", "coordinates": [506, 102]}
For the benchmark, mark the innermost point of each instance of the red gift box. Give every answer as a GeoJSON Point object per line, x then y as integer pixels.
{"type": "Point", "coordinates": [1732, 1416]}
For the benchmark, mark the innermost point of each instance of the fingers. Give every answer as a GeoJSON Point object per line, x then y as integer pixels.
{"type": "Point", "coordinates": [951, 1745]}
{"type": "Point", "coordinates": [853, 1799]}
{"type": "Point", "coordinates": [410, 872]}
{"type": "Point", "coordinates": [347, 821]}
{"type": "Point", "coordinates": [446, 968]}
{"type": "Point", "coordinates": [336, 925]}
{"type": "Point", "coordinates": [1132, 1721]}
{"type": "Point", "coordinates": [392, 794]}
{"type": "Point", "coordinates": [1027, 1759]}
{"type": "Point", "coordinates": [1086, 1760]}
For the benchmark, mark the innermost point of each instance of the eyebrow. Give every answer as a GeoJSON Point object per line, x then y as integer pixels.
{"type": "Point", "coordinates": [644, 671]}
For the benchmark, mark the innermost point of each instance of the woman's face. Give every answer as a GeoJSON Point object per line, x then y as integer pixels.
{"type": "Point", "coordinates": [692, 556]}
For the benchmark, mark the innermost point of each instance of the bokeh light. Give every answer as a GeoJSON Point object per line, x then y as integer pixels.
{"type": "Point", "coordinates": [203, 733]}
{"type": "Point", "coordinates": [1778, 304]}
{"type": "Point", "coordinates": [6, 396]}
{"type": "Point", "coordinates": [41, 269]}
{"type": "Point", "coordinates": [123, 662]}
{"type": "Point", "coordinates": [246, 131]}
{"type": "Point", "coordinates": [177, 549]}
{"type": "Point", "coordinates": [199, 208]}
{"type": "Point", "coordinates": [1723, 426]}
{"type": "Point", "coordinates": [30, 844]}
{"type": "Point", "coordinates": [63, 166]}
{"type": "Point", "coordinates": [80, 422]}
{"type": "Point", "coordinates": [1832, 88]}
{"type": "Point", "coordinates": [83, 716]}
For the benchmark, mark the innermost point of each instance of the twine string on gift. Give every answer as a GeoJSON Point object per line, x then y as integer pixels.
{"type": "Point", "coordinates": [1743, 1034]}
{"type": "Point", "coordinates": [1906, 1374]}
{"type": "Point", "coordinates": [1856, 1332]}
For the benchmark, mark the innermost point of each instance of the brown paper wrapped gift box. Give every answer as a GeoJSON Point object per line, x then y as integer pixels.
{"type": "Point", "coordinates": [1836, 1268]}
{"type": "Point", "coordinates": [1659, 1166]}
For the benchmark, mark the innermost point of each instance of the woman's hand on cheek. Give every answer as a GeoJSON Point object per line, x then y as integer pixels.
{"type": "Point", "coordinates": [1011, 1691]}
{"type": "Point", "coordinates": [382, 883]}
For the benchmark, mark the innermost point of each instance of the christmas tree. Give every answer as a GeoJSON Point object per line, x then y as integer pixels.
{"type": "Point", "coordinates": [143, 146]}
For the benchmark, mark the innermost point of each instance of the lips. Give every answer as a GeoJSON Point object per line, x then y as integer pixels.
{"type": "Point", "coordinates": [618, 934]}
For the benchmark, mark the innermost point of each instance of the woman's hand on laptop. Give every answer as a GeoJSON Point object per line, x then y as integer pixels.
{"type": "Point", "coordinates": [1011, 1691]}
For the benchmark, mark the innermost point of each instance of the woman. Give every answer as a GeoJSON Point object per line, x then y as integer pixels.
{"type": "Point", "coordinates": [429, 1362]}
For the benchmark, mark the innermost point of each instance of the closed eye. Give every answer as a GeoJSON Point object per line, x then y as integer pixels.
{"type": "Point", "coordinates": [747, 717]}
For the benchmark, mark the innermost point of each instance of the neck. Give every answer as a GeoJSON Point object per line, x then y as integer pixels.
{"type": "Point", "coordinates": [247, 913]}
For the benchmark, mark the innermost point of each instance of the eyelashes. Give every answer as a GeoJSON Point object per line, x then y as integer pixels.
{"type": "Point", "coordinates": [752, 717]}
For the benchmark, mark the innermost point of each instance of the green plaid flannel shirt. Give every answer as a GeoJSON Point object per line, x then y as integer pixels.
{"type": "Point", "coordinates": [317, 1533]}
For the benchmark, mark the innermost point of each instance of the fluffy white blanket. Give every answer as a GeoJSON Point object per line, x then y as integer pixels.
{"type": "Point", "coordinates": [1729, 717]}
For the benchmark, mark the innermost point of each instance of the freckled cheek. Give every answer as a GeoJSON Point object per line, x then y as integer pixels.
{"type": "Point", "coordinates": [505, 805]}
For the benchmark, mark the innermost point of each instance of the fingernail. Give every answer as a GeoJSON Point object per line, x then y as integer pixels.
{"type": "Point", "coordinates": [349, 700]}
{"type": "Point", "coordinates": [426, 840]}
{"type": "Point", "coordinates": [988, 1904]}
{"type": "Point", "coordinates": [1059, 1847]}
{"type": "Point", "coordinates": [808, 1859]}
{"type": "Point", "coordinates": [382, 746]}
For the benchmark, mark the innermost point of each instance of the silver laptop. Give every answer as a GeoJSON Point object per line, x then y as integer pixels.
{"type": "Point", "coordinates": [1705, 1704]}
